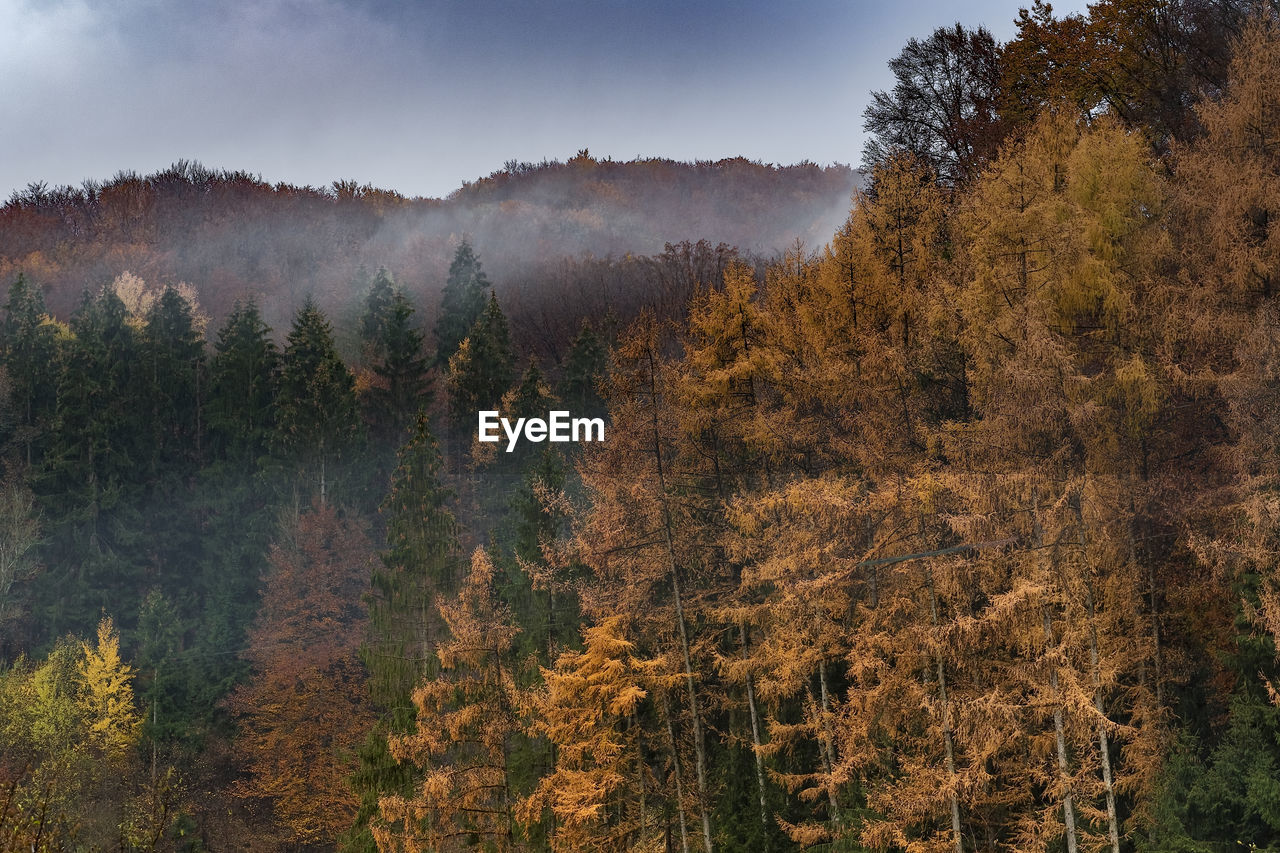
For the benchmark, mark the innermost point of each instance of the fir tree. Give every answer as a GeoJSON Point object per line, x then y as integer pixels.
{"type": "Point", "coordinates": [403, 386]}
{"type": "Point", "coordinates": [480, 371]}
{"type": "Point", "coordinates": [241, 408]}
{"type": "Point", "coordinates": [461, 304]}
{"type": "Point", "coordinates": [378, 306]}
{"type": "Point", "coordinates": [419, 565]}
{"type": "Point", "coordinates": [28, 349]}
{"type": "Point", "coordinates": [317, 418]}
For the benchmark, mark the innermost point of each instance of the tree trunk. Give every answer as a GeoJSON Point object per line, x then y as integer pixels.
{"type": "Point", "coordinates": [948, 746]}
{"type": "Point", "coordinates": [675, 763]}
{"type": "Point", "coordinates": [755, 738]}
{"type": "Point", "coordinates": [699, 744]}
{"type": "Point", "coordinates": [1064, 768]}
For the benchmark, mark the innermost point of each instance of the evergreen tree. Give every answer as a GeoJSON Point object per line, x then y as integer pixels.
{"type": "Point", "coordinates": [461, 304]}
{"type": "Point", "coordinates": [480, 371]}
{"type": "Point", "coordinates": [584, 367]}
{"type": "Point", "coordinates": [241, 407]}
{"type": "Point", "coordinates": [316, 418]}
{"type": "Point", "coordinates": [173, 364]}
{"type": "Point", "coordinates": [378, 306]}
{"type": "Point", "coordinates": [419, 565]}
{"type": "Point", "coordinates": [28, 349]}
{"type": "Point", "coordinates": [403, 387]}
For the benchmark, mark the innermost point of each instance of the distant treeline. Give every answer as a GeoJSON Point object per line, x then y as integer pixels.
{"type": "Point", "coordinates": [232, 235]}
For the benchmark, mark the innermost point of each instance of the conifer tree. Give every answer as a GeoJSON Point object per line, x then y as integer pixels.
{"type": "Point", "coordinates": [316, 414]}
{"type": "Point", "coordinates": [481, 370]}
{"type": "Point", "coordinates": [243, 376]}
{"type": "Point", "coordinates": [377, 310]}
{"type": "Point", "coordinates": [405, 628]}
{"type": "Point", "coordinates": [173, 366]}
{"type": "Point", "coordinates": [403, 387]}
{"type": "Point", "coordinates": [29, 353]}
{"type": "Point", "coordinates": [462, 302]}
{"type": "Point", "coordinates": [584, 368]}
{"type": "Point", "coordinates": [467, 719]}
{"type": "Point", "coordinates": [302, 709]}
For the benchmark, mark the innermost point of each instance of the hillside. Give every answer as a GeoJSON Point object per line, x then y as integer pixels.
{"type": "Point", "coordinates": [230, 234]}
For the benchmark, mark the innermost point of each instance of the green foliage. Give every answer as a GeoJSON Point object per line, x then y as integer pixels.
{"type": "Point", "coordinates": [377, 310]}
{"type": "Point", "coordinates": [419, 566]}
{"type": "Point", "coordinates": [403, 388]}
{"type": "Point", "coordinates": [584, 368]}
{"type": "Point", "coordinates": [28, 350]}
{"type": "Point", "coordinates": [316, 414]}
{"type": "Point", "coordinates": [241, 403]}
{"type": "Point", "coordinates": [480, 371]}
{"type": "Point", "coordinates": [461, 302]}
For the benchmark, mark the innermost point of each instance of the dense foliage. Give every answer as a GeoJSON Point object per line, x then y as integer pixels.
{"type": "Point", "coordinates": [957, 534]}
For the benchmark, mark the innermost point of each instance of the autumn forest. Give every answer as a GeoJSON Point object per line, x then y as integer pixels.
{"type": "Point", "coordinates": [946, 522]}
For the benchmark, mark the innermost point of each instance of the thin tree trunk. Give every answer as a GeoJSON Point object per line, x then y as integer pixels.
{"type": "Point", "coordinates": [1104, 747]}
{"type": "Point", "coordinates": [826, 741]}
{"type": "Point", "coordinates": [699, 744]}
{"type": "Point", "coordinates": [1064, 768]}
{"type": "Point", "coordinates": [755, 738]}
{"type": "Point", "coordinates": [948, 746]}
{"type": "Point", "coordinates": [675, 763]}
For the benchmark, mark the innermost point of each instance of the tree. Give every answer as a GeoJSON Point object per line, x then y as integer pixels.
{"type": "Point", "coordinates": [173, 363]}
{"type": "Point", "coordinates": [242, 393]}
{"type": "Point", "coordinates": [403, 387]}
{"type": "Point", "coordinates": [29, 353]}
{"type": "Point", "coordinates": [467, 718]}
{"type": "Point", "coordinates": [377, 310]}
{"type": "Point", "coordinates": [19, 559]}
{"type": "Point", "coordinates": [481, 369]}
{"type": "Point", "coordinates": [316, 414]}
{"type": "Point", "coordinates": [943, 106]}
{"type": "Point", "coordinates": [419, 568]}
{"type": "Point", "coordinates": [600, 791]}
{"type": "Point", "coordinates": [461, 304]}
{"type": "Point", "coordinates": [301, 710]}
{"type": "Point", "coordinates": [584, 368]}
{"type": "Point", "coordinates": [114, 724]}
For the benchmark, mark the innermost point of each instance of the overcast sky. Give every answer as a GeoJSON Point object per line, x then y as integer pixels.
{"type": "Point", "coordinates": [418, 97]}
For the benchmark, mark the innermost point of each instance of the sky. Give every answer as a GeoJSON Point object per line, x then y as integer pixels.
{"type": "Point", "coordinates": [418, 97]}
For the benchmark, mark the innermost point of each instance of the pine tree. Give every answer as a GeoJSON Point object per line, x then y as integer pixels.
{"type": "Point", "coordinates": [419, 566]}
{"type": "Point", "coordinates": [403, 387]}
{"type": "Point", "coordinates": [29, 353]}
{"type": "Point", "coordinates": [377, 311]}
{"type": "Point", "coordinates": [480, 371]}
{"type": "Point", "coordinates": [316, 414]}
{"type": "Point", "coordinates": [173, 365]}
{"type": "Point", "coordinates": [242, 393]}
{"type": "Point", "coordinates": [584, 368]}
{"type": "Point", "coordinates": [462, 302]}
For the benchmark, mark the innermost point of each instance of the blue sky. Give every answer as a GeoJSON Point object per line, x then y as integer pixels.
{"type": "Point", "coordinates": [418, 97]}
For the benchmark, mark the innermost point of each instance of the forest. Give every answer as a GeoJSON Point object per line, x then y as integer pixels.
{"type": "Point", "coordinates": [953, 528]}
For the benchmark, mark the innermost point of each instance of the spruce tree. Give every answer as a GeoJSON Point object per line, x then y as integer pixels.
{"type": "Point", "coordinates": [316, 417]}
{"type": "Point", "coordinates": [241, 407]}
{"type": "Point", "coordinates": [378, 304]}
{"type": "Point", "coordinates": [584, 367]}
{"type": "Point", "coordinates": [403, 388]}
{"type": "Point", "coordinates": [173, 364]}
{"type": "Point", "coordinates": [462, 302]}
{"type": "Point", "coordinates": [480, 371]}
{"type": "Point", "coordinates": [28, 352]}
{"type": "Point", "coordinates": [419, 565]}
